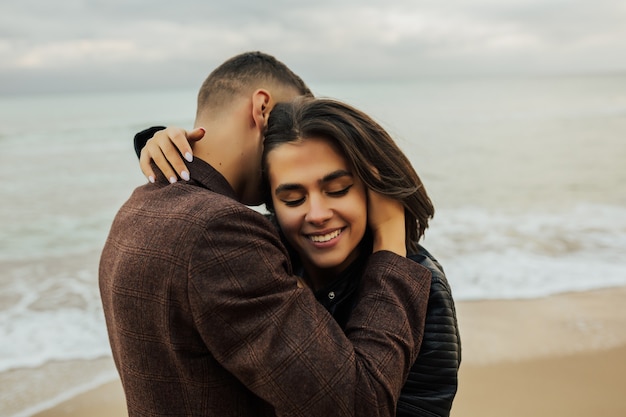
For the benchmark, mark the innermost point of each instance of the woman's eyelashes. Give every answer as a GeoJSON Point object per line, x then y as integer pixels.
{"type": "Point", "coordinates": [340, 193]}
{"type": "Point", "coordinates": [293, 203]}
{"type": "Point", "coordinates": [331, 192]}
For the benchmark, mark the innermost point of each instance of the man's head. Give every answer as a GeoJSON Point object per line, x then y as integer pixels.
{"type": "Point", "coordinates": [242, 75]}
{"type": "Point", "coordinates": [234, 103]}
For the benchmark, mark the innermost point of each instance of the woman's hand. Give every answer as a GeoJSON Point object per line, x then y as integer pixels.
{"type": "Point", "coordinates": [385, 217]}
{"type": "Point", "coordinates": [165, 148]}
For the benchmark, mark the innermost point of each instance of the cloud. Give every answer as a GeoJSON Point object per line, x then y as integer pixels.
{"type": "Point", "coordinates": [86, 44]}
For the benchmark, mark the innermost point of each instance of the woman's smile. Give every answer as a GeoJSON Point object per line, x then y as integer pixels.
{"type": "Point", "coordinates": [324, 238]}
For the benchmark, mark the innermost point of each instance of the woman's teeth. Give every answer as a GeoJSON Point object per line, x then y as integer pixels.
{"type": "Point", "coordinates": [324, 238]}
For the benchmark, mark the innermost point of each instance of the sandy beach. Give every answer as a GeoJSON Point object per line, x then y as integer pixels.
{"type": "Point", "coordinates": [563, 355]}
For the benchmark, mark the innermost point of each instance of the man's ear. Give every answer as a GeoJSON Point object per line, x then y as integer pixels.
{"type": "Point", "coordinates": [261, 100]}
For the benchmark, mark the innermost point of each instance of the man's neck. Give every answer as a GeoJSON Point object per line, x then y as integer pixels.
{"type": "Point", "coordinates": [221, 147]}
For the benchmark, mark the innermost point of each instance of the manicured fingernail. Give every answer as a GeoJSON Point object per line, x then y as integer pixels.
{"type": "Point", "coordinates": [151, 179]}
{"type": "Point", "coordinates": [184, 175]}
{"type": "Point", "coordinates": [172, 180]}
{"type": "Point", "coordinates": [189, 156]}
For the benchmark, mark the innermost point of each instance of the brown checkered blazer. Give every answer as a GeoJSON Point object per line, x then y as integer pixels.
{"type": "Point", "coordinates": [204, 318]}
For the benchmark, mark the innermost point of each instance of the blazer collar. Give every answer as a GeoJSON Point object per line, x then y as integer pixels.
{"type": "Point", "coordinates": [208, 177]}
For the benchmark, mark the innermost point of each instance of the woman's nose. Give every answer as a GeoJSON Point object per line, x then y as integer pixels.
{"type": "Point", "coordinates": [319, 212]}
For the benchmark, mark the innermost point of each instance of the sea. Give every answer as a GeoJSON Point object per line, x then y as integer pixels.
{"type": "Point", "coordinates": [527, 174]}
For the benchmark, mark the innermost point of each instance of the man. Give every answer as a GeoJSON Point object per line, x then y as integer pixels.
{"type": "Point", "coordinates": [204, 316]}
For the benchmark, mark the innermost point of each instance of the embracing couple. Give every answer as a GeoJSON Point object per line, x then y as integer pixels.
{"type": "Point", "coordinates": [328, 306]}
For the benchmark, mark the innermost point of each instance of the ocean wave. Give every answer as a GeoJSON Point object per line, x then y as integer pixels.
{"type": "Point", "coordinates": [491, 254]}
{"type": "Point", "coordinates": [51, 311]}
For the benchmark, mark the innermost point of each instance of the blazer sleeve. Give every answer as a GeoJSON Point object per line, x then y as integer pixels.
{"type": "Point", "coordinates": [282, 344]}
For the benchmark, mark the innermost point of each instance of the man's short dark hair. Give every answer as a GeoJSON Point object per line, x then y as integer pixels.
{"type": "Point", "coordinates": [244, 72]}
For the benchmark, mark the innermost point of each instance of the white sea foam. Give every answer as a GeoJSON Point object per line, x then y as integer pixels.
{"type": "Point", "coordinates": [489, 254]}
{"type": "Point", "coordinates": [50, 318]}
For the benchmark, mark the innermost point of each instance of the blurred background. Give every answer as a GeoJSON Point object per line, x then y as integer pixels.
{"type": "Point", "coordinates": [513, 113]}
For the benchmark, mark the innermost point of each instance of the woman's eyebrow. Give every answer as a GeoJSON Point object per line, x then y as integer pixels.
{"type": "Point", "coordinates": [287, 187]}
{"type": "Point", "coordinates": [336, 174]}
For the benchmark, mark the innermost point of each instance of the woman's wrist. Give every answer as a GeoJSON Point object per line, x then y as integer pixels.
{"type": "Point", "coordinates": [391, 239]}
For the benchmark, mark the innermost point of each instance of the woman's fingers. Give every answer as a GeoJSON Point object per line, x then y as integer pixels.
{"type": "Point", "coordinates": [153, 153]}
{"type": "Point", "coordinates": [165, 149]}
{"type": "Point", "coordinates": [182, 140]}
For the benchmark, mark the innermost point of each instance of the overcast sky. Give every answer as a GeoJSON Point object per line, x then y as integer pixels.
{"type": "Point", "coordinates": [72, 45]}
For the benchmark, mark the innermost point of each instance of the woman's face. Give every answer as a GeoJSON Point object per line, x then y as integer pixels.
{"type": "Point", "coordinates": [320, 206]}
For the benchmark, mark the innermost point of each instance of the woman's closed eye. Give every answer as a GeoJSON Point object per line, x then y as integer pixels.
{"type": "Point", "coordinates": [293, 202]}
{"type": "Point", "coordinates": [290, 195]}
{"type": "Point", "coordinates": [341, 192]}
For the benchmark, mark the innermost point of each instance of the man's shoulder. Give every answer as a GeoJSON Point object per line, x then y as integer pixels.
{"type": "Point", "coordinates": [155, 216]}
{"type": "Point", "coordinates": [188, 202]}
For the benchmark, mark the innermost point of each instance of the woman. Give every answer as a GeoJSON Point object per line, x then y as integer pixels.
{"type": "Point", "coordinates": [320, 158]}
